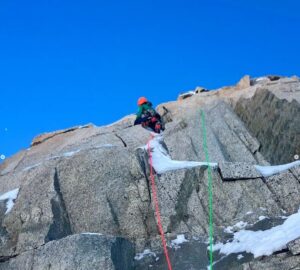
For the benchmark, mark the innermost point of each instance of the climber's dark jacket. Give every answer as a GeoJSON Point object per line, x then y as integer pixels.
{"type": "Point", "coordinates": [147, 116]}
{"type": "Point", "coordinates": [145, 113]}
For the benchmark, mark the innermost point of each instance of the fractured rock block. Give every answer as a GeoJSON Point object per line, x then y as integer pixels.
{"type": "Point", "coordinates": [286, 189]}
{"type": "Point", "coordinates": [83, 251]}
{"type": "Point", "coordinates": [238, 171]}
{"type": "Point", "coordinates": [294, 246]}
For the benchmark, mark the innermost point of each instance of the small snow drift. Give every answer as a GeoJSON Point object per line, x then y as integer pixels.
{"type": "Point", "coordinates": [263, 243]}
{"type": "Point", "coordinates": [178, 241]}
{"type": "Point", "coordinates": [186, 95]}
{"type": "Point", "coordinates": [89, 233]}
{"type": "Point", "coordinates": [10, 197]}
{"type": "Point", "coordinates": [69, 154]}
{"type": "Point", "coordinates": [146, 253]}
{"type": "Point", "coordinates": [239, 225]}
{"type": "Point", "coordinates": [271, 170]}
{"type": "Point", "coordinates": [162, 162]}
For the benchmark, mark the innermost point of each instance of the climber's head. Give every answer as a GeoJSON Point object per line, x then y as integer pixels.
{"type": "Point", "coordinates": [141, 101]}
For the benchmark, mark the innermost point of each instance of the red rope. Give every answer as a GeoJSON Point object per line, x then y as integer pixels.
{"type": "Point", "coordinates": [157, 212]}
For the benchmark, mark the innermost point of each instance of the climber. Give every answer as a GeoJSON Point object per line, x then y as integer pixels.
{"type": "Point", "coordinates": [147, 116]}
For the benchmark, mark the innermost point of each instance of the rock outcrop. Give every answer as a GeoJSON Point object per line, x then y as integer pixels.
{"type": "Point", "coordinates": [84, 251]}
{"type": "Point", "coordinates": [274, 123]}
{"type": "Point", "coordinates": [244, 83]}
{"type": "Point", "coordinates": [82, 182]}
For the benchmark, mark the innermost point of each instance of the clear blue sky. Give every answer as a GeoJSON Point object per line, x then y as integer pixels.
{"type": "Point", "coordinates": [65, 63]}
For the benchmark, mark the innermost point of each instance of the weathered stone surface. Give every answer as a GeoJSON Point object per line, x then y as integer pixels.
{"type": "Point", "coordinates": [101, 190]}
{"type": "Point", "coordinates": [181, 208]}
{"type": "Point", "coordinates": [278, 262]}
{"type": "Point", "coordinates": [2, 210]}
{"type": "Point", "coordinates": [11, 181]}
{"type": "Point", "coordinates": [238, 170]}
{"type": "Point", "coordinates": [227, 138]}
{"type": "Point", "coordinates": [183, 144]}
{"type": "Point", "coordinates": [274, 77]}
{"type": "Point", "coordinates": [46, 136]}
{"type": "Point", "coordinates": [121, 124]}
{"type": "Point", "coordinates": [85, 252]}
{"type": "Point", "coordinates": [260, 80]}
{"type": "Point", "coordinates": [135, 137]}
{"type": "Point", "coordinates": [191, 255]}
{"type": "Point", "coordinates": [184, 197]}
{"type": "Point", "coordinates": [243, 83]}
{"type": "Point", "coordinates": [286, 189]}
{"type": "Point", "coordinates": [11, 163]}
{"type": "Point", "coordinates": [185, 95]}
{"type": "Point", "coordinates": [296, 172]}
{"type": "Point", "coordinates": [67, 143]}
{"type": "Point", "coordinates": [200, 89]}
{"type": "Point", "coordinates": [236, 125]}
{"type": "Point", "coordinates": [236, 143]}
{"type": "Point", "coordinates": [22, 262]}
{"type": "Point", "coordinates": [96, 179]}
{"type": "Point", "coordinates": [294, 247]}
{"type": "Point", "coordinates": [3, 233]}
{"type": "Point", "coordinates": [274, 122]}
{"type": "Point", "coordinates": [165, 114]}
{"type": "Point", "coordinates": [104, 190]}
{"type": "Point", "coordinates": [39, 214]}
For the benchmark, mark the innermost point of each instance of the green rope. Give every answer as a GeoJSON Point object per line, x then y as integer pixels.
{"type": "Point", "coordinates": [210, 190]}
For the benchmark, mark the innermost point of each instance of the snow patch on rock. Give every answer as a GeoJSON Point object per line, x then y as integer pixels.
{"type": "Point", "coordinates": [238, 226]}
{"type": "Point", "coordinates": [145, 253]}
{"type": "Point", "coordinates": [263, 243]}
{"type": "Point", "coordinates": [162, 162]}
{"type": "Point", "coordinates": [240, 257]}
{"type": "Point", "coordinates": [89, 233]}
{"type": "Point", "coordinates": [69, 154]}
{"type": "Point", "coordinates": [260, 218]}
{"type": "Point", "coordinates": [271, 170]}
{"type": "Point", "coordinates": [178, 241]}
{"type": "Point", "coordinates": [10, 197]}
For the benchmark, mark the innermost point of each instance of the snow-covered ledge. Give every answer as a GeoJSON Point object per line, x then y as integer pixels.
{"type": "Point", "coordinates": [271, 170]}
{"type": "Point", "coordinates": [162, 161]}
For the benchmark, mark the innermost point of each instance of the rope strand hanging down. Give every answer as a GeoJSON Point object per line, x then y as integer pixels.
{"type": "Point", "coordinates": [156, 204]}
{"type": "Point", "coordinates": [210, 190]}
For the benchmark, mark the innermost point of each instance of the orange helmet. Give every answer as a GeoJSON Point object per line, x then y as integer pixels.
{"type": "Point", "coordinates": [141, 101]}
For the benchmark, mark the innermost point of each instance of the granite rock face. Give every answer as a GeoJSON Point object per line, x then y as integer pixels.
{"type": "Point", "coordinates": [244, 83]}
{"type": "Point", "coordinates": [278, 262]}
{"type": "Point", "coordinates": [84, 251]}
{"type": "Point", "coordinates": [294, 247]}
{"type": "Point", "coordinates": [238, 171]}
{"type": "Point", "coordinates": [274, 122]}
{"type": "Point", "coordinates": [96, 180]}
